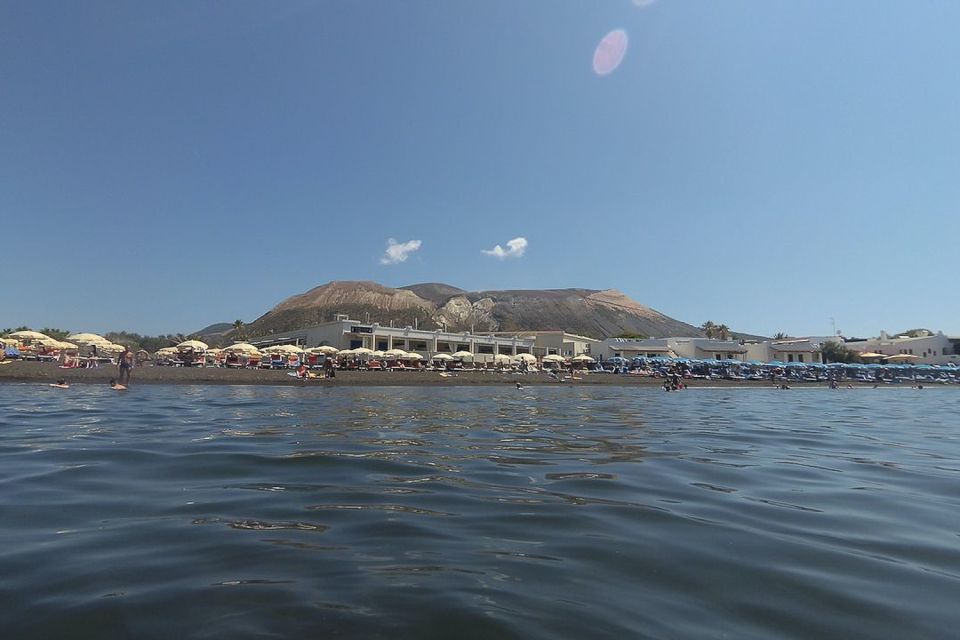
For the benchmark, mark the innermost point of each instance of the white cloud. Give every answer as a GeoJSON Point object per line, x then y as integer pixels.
{"type": "Point", "coordinates": [515, 249]}
{"type": "Point", "coordinates": [398, 252]}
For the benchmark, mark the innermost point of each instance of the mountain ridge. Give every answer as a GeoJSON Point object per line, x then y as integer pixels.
{"type": "Point", "coordinates": [596, 313]}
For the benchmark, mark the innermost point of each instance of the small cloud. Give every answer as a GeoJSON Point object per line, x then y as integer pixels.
{"type": "Point", "coordinates": [398, 252]}
{"type": "Point", "coordinates": [515, 249]}
{"type": "Point", "coordinates": [610, 52]}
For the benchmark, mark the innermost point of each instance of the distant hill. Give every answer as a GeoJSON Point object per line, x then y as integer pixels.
{"type": "Point", "coordinates": [590, 312]}
{"type": "Point", "coordinates": [213, 331]}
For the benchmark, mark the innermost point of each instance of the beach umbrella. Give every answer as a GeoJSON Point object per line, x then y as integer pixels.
{"type": "Point", "coordinates": [196, 345]}
{"type": "Point", "coordinates": [110, 347]}
{"type": "Point", "coordinates": [363, 351]}
{"type": "Point", "coordinates": [242, 347]}
{"type": "Point", "coordinates": [583, 358]}
{"type": "Point", "coordinates": [326, 350]}
{"type": "Point", "coordinates": [288, 349]}
{"type": "Point", "coordinates": [902, 357]}
{"type": "Point", "coordinates": [346, 352]}
{"type": "Point", "coordinates": [411, 356]}
{"type": "Point", "coordinates": [86, 338]}
{"type": "Point", "coordinates": [442, 356]}
{"type": "Point", "coordinates": [525, 357]}
{"type": "Point", "coordinates": [501, 358]}
{"type": "Point", "coordinates": [775, 363]}
{"type": "Point", "coordinates": [66, 345]}
{"type": "Point", "coordinates": [557, 358]}
{"type": "Point", "coordinates": [395, 353]}
{"type": "Point", "coordinates": [30, 335]}
{"type": "Point", "coordinates": [462, 355]}
{"type": "Point", "coordinates": [166, 351]}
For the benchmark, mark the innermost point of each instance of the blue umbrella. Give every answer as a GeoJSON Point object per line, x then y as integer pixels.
{"type": "Point", "coordinates": [775, 363]}
{"type": "Point", "coordinates": [794, 365]}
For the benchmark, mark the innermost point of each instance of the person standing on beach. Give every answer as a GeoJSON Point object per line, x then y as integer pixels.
{"type": "Point", "coordinates": [124, 364]}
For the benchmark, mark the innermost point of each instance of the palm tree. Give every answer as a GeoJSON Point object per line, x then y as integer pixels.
{"type": "Point", "coordinates": [238, 328]}
{"type": "Point", "coordinates": [723, 332]}
{"type": "Point", "coordinates": [709, 329]}
{"type": "Point", "coordinates": [780, 335]}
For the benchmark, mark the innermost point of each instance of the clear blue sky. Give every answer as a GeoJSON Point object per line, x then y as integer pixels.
{"type": "Point", "coordinates": [766, 164]}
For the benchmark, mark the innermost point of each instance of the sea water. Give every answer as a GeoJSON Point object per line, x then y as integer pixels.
{"type": "Point", "coordinates": [478, 512]}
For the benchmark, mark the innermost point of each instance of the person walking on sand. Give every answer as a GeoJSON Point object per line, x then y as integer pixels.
{"type": "Point", "coordinates": [124, 364]}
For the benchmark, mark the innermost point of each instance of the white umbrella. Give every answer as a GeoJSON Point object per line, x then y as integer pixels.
{"type": "Point", "coordinates": [86, 338]}
{"type": "Point", "coordinates": [411, 356]}
{"type": "Point", "coordinates": [378, 354]}
{"type": "Point", "coordinates": [242, 347]}
{"type": "Point", "coordinates": [583, 358]}
{"type": "Point", "coordinates": [442, 356]}
{"type": "Point", "coordinates": [501, 358]}
{"type": "Point", "coordinates": [346, 352]}
{"type": "Point", "coordinates": [326, 350]}
{"type": "Point", "coordinates": [395, 353]}
{"type": "Point", "coordinates": [553, 357]}
{"type": "Point", "coordinates": [462, 355]}
{"type": "Point", "coordinates": [362, 351]}
{"type": "Point", "coordinates": [167, 351]}
{"type": "Point", "coordinates": [196, 345]}
{"type": "Point", "coordinates": [30, 335]}
{"type": "Point", "coordinates": [525, 357]}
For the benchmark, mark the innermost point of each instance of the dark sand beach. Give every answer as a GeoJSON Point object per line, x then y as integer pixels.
{"type": "Point", "coordinates": [19, 371]}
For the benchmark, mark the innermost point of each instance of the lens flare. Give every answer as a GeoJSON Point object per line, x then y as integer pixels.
{"type": "Point", "coordinates": [609, 53]}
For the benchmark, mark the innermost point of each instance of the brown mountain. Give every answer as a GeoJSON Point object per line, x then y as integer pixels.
{"type": "Point", "coordinates": [585, 311]}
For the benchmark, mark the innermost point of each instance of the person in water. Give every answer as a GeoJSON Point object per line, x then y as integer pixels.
{"type": "Point", "coordinates": [61, 384]}
{"type": "Point", "coordinates": [115, 386]}
{"type": "Point", "coordinates": [124, 365]}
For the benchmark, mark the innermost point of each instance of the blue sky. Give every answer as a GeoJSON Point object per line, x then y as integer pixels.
{"type": "Point", "coordinates": [765, 164]}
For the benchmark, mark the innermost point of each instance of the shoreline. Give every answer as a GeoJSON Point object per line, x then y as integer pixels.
{"type": "Point", "coordinates": [48, 372]}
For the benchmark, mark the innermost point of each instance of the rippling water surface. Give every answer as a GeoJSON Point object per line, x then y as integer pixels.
{"type": "Point", "coordinates": [547, 512]}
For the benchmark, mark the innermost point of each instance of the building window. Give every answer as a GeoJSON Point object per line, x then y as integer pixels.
{"type": "Point", "coordinates": [911, 351]}
{"type": "Point", "coordinates": [485, 348]}
{"type": "Point", "coordinates": [463, 347]}
{"type": "Point", "coordinates": [417, 345]}
{"type": "Point", "coordinates": [718, 356]}
{"type": "Point", "coordinates": [382, 345]}
{"type": "Point", "coordinates": [523, 350]}
{"type": "Point", "coordinates": [443, 347]}
{"type": "Point", "coordinates": [789, 357]}
{"type": "Point", "coordinates": [800, 358]}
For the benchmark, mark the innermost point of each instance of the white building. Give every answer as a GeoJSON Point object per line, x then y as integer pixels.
{"type": "Point", "coordinates": [789, 349]}
{"type": "Point", "coordinates": [693, 348]}
{"type": "Point", "coordinates": [931, 349]}
{"type": "Point", "coordinates": [557, 342]}
{"type": "Point", "coordinates": [344, 333]}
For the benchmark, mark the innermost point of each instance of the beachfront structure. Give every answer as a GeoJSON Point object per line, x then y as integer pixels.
{"type": "Point", "coordinates": [344, 333]}
{"type": "Point", "coordinates": [930, 349]}
{"type": "Point", "coordinates": [692, 348]}
{"type": "Point", "coordinates": [560, 343]}
{"type": "Point", "coordinates": [806, 350]}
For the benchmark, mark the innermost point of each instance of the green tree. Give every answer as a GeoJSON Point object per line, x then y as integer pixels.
{"type": "Point", "coordinates": [238, 330]}
{"type": "Point", "coordinates": [916, 333]}
{"type": "Point", "coordinates": [709, 329]}
{"type": "Point", "coordinates": [837, 352]}
{"type": "Point", "coordinates": [56, 334]}
{"type": "Point", "coordinates": [723, 332]}
{"type": "Point", "coordinates": [780, 335]}
{"type": "Point", "coordinates": [632, 336]}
